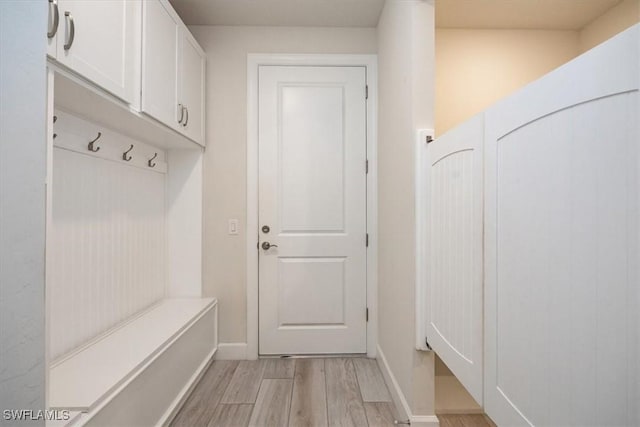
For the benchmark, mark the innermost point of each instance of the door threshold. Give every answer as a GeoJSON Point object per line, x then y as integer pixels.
{"type": "Point", "coordinates": [311, 356]}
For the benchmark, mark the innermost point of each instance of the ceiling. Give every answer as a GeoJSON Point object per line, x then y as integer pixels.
{"type": "Point", "coordinates": [294, 13]}
{"type": "Point", "coordinates": [525, 14]}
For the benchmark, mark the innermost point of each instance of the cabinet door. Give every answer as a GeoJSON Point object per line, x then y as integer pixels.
{"type": "Point", "coordinates": [100, 40]}
{"type": "Point", "coordinates": [160, 63]}
{"type": "Point", "coordinates": [192, 88]}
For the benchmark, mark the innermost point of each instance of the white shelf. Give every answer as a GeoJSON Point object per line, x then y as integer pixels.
{"type": "Point", "coordinates": [84, 379]}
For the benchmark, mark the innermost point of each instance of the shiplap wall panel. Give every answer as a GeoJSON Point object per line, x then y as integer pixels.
{"type": "Point", "coordinates": [108, 232]}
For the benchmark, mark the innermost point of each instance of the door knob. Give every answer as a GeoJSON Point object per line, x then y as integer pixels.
{"type": "Point", "coordinates": [267, 245]}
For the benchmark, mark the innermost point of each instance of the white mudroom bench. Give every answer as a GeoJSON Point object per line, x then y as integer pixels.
{"type": "Point", "coordinates": [140, 372]}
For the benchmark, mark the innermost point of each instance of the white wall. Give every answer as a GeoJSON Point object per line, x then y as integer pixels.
{"type": "Point", "coordinates": [22, 206]}
{"type": "Point", "coordinates": [406, 70]}
{"type": "Point", "coordinates": [476, 67]}
{"type": "Point", "coordinates": [618, 18]}
{"type": "Point", "coordinates": [225, 169]}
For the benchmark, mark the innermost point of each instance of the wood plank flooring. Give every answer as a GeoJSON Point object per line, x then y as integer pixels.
{"type": "Point", "coordinates": [297, 393]}
{"type": "Point", "coordinates": [290, 392]}
{"type": "Point", "coordinates": [470, 420]}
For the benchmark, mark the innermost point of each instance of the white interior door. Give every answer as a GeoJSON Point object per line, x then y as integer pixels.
{"type": "Point", "coordinates": [312, 198]}
{"type": "Point", "coordinates": [454, 251]}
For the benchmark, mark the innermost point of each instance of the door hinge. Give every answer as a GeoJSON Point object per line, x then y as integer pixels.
{"type": "Point", "coordinates": [366, 92]}
{"type": "Point", "coordinates": [367, 314]}
{"type": "Point", "coordinates": [366, 166]}
{"type": "Point", "coordinates": [367, 240]}
{"type": "Point", "coordinates": [429, 139]}
{"type": "Point", "coordinates": [426, 342]}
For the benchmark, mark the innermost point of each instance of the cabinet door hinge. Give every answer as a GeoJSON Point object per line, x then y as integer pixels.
{"type": "Point", "coordinates": [366, 92]}
{"type": "Point", "coordinates": [367, 314]}
{"type": "Point", "coordinates": [367, 240]}
{"type": "Point", "coordinates": [366, 166]}
{"type": "Point", "coordinates": [426, 342]}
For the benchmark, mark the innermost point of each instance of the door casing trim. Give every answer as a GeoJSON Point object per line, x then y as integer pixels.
{"type": "Point", "coordinates": [254, 61]}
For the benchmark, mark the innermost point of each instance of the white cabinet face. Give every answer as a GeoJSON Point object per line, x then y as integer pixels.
{"type": "Point", "coordinates": [192, 90]}
{"type": "Point", "coordinates": [160, 64]}
{"type": "Point", "coordinates": [100, 41]}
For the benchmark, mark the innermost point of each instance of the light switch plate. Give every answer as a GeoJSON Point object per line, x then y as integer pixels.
{"type": "Point", "coordinates": [233, 226]}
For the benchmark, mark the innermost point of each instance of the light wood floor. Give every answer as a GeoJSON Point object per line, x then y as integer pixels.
{"type": "Point", "coordinates": [297, 392]}
{"type": "Point", "coordinates": [471, 420]}
{"type": "Point", "coordinates": [289, 392]}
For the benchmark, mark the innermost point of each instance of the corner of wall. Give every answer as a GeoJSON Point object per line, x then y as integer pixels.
{"type": "Point", "coordinates": [615, 20]}
{"type": "Point", "coordinates": [406, 102]}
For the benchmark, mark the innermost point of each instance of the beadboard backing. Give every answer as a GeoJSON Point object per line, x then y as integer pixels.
{"type": "Point", "coordinates": [108, 235]}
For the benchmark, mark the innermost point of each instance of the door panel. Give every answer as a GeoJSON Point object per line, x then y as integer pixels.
{"type": "Point", "coordinates": [312, 196]}
{"type": "Point", "coordinates": [454, 251]}
{"type": "Point", "coordinates": [311, 291]}
{"type": "Point", "coordinates": [317, 203]}
{"type": "Point", "coordinates": [562, 209]}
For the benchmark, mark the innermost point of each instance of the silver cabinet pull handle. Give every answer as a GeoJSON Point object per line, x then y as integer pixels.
{"type": "Point", "coordinates": [181, 107]}
{"type": "Point", "coordinates": [72, 31]}
{"type": "Point", "coordinates": [186, 120]}
{"type": "Point", "coordinates": [56, 18]}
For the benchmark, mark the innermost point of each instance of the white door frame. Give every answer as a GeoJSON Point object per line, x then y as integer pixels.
{"type": "Point", "coordinates": [370, 62]}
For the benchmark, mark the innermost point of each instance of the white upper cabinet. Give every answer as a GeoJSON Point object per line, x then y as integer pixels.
{"type": "Point", "coordinates": [99, 40]}
{"type": "Point", "coordinates": [172, 72]}
{"type": "Point", "coordinates": [160, 63]}
{"type": "Point", "coordinates": [139, 51]}
{"type": "Point", "coordinates": [191, 93]}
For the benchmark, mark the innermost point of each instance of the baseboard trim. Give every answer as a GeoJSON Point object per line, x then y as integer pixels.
{"type": "Point", "coordinates": [232, 351]}
{"type": "Point", "coordinates": [399, 398]}
{"type": "Point", "coordinates": [392, 384]}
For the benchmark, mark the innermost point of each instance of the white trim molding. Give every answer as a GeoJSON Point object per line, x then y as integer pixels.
{"type": "Point", "coordinates": [399, 399]}
{"type": "Point", "coordinates": [421, 195]}
{"type": "Point", "coordinates": [254, 61]}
